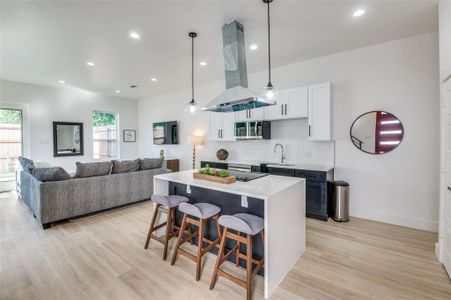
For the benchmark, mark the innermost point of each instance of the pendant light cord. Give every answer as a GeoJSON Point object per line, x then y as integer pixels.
{"type": "Point", "coordinates": [269, 45]}
{"type": "Point", "coordinates": [192, 68]}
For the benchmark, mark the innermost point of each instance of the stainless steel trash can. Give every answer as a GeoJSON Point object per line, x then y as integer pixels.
{"type": "Point", "coordinates": [340, 201]}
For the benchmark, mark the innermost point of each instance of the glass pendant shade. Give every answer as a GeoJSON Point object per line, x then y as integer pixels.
{"type": "Point", "coordinates": [192, 107]}
{"type": "Point", "coordinates": [269, 93]}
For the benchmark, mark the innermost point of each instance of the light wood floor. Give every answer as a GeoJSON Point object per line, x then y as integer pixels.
{"type": "Point", "coordinates": [102, 257]}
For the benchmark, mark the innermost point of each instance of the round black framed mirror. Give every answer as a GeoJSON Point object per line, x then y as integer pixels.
{"type": "Point", "coordinates": [377, 132]}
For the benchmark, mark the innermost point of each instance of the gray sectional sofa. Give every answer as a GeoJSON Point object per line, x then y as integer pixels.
{"type": "Point", "coordinates": [60, 198]}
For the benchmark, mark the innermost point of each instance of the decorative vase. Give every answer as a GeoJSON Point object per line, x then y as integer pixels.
{"type": "Point", "coordinates": [222, 154]}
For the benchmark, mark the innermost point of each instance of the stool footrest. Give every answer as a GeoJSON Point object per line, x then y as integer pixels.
{"type": "Point", "coordinates": [232, 278]}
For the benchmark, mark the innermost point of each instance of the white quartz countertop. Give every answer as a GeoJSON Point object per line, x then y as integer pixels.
{"type": "Point", "coordinates": [288, 165]}
{"type": "Point", "coordinates": [261, 188]}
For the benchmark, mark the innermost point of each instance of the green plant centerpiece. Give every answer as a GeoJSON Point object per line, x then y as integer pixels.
{"type": "Point", "coordinates": [213, 172]}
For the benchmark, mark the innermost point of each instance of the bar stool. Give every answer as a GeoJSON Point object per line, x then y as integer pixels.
{"type": "Point", "coordinates": [249, 225]}
{"type": "Point", "coordinates": [167, 205]}
{"type": "Point", "coordinates": [197, 214]}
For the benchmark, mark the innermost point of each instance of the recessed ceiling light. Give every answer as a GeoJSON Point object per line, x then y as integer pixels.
{"type": "Point", "coordinates": [203, 63]}
{"type": "Point", "coordinates": [135, 35]}
{"type": "Point", "coordinates": [117, 91]}
{"type": "Point", "coordinates": [91, 64]}
{"type": "Point", "coordinates": [153, 79]}
{"type": "Point", "coordinates": [359, 13]}
{"type": "Point", "coordinates": [61, 81]}
{"type": "Point", "coordinates": [253, 47]}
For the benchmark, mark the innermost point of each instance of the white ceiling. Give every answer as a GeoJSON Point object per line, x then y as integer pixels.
{"type": "Point", "coordinates": [43, 42]}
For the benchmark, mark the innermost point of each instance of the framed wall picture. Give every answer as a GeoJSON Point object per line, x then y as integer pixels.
{"type": "Point", "coordinates": [129, 136]}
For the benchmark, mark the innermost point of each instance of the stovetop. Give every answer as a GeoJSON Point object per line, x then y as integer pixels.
{"type": "Point", "coordinates": [246, 176]}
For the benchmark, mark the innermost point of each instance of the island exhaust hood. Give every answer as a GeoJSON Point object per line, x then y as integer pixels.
{"type": "Point", "coordinates": [237, 96]}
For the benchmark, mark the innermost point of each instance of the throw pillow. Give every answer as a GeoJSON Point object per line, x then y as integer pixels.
{"type": "Point", "coordinates": [151, 163]}
{"type": "Point", "coordinates": [93, 169]}
{"type": "Point", "coordinates": [125, 166]}
{"type": "Point", "coordinates": [50, 174]}
{"type": "Point", "coordinates": [27, 164]}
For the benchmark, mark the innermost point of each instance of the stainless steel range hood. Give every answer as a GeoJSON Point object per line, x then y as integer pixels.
{"type": "Point", "coordinates": [237, 96]}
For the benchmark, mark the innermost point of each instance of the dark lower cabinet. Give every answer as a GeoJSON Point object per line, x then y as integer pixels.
{"type": "Point", "coordinates": [214, 165]}
{"type": "Point", "coordinates": [317, 200]}
{"type": "Point", "coordinates": [280, 171]}
{"type": "Point", "coordinates": [317, 193]}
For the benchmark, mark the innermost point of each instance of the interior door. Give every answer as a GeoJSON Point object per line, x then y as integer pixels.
{"type": "Point", "coordinates": [446, 201]}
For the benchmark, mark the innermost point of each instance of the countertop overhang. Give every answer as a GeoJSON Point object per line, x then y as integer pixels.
{"type": "Point", "coordinates": [261, 188]}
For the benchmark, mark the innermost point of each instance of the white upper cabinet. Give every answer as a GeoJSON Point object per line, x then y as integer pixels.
{"type": "Point", "coordinates": [292, 104]}
{"type": "Point", "coordinates": [320, 112]}
{"type": "Point", "coordinates": [221, 127]}
{"type": "Point", "coordinates": [296, 103]}
{"type": "Point", "coordinates": [255, 114]}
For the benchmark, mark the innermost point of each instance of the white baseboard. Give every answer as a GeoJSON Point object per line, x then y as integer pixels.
{"type": "Point", "coordinates": [396, 220]}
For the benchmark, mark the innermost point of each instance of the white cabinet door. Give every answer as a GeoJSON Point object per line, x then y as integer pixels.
{"type": "Point", "coordinates": [319, 112]}
{"type": "Point", "coordinates": [292, 104]}
{"type": "Point", "coordinates": [255, 114]}
{"type": "Point", "coordinates": [228, 127]}
{"type": "Point", "coordinates": [295, 103]}
{"type": "Point", "coordinates": [221, 126]}
{"type": "Point", "coordinates": [276, 112]}
{"type": "Point", "coordinates": [215, 125]}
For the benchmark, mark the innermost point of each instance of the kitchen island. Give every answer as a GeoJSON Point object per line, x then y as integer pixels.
{"type": "Point", "coordinates": [279, 200]}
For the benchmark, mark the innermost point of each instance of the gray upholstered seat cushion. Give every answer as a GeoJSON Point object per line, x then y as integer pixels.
{"type": "Point", "coordinates": [169, 201]}
{"type": "Point", "coordinates": [245, 223]}
{"type": "Point", "coordinates": [125, 166]}
{"type": "Point", "coordinates": [151, 163]}
{"type": "Point", "coordinates": [93, 169]}
{"type": "Point", "coordinates": [27, 164]}
{"type": "Point", "coordinates": [200, 210]}
{"type": "Point", "coordinates": [50, 174]}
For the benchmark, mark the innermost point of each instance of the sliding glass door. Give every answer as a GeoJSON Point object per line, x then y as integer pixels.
{"type": "Point", "coordinates": [10, 146]}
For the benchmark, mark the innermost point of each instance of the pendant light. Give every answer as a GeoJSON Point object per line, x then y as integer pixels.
{"type": "Point", "coordinates": [192, 106]}
{"type": "Point", "coordinates": [269, 92]}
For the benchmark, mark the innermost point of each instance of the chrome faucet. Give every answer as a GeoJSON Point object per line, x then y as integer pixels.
{"type": "Point", "coordinates": [284, 156]}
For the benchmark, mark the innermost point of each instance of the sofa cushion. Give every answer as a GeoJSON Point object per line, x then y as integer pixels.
{"type": "Point", "coordinates": [50, 174]}
{"type": "Point", "coordinates": [125, 166]}
{"type": "Point", "coordinates": [27, 164]}
{"type": "Point", "coordinates": [93, 169]}
{"type": "Point", "coordinates": [151, 163]}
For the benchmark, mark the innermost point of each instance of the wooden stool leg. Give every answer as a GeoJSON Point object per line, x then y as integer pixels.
{"type": "Point", "coordinates": [237, 259]}
{"type": "Point", "coordinates": [200, 238]}
{"type": "Point", "coordinates": [218, 259]}
{"type": "Point", "coordinates": [190, 230]}
{"type": "Point", "coordinates": [179, 239]}
{"type": "Point", "coordinates": [249, 266]}
{"type": "Point", "coordinates": [152, 225]}
{"type": "Point", "coordinates": [166, 236]}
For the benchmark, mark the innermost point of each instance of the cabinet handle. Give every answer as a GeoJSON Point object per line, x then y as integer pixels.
{"type": "Point", "coordinates": [286, 109]}
{"type": "Point", "coordinates": [449, 188]}
{"type": "Point", "coordinates": [222, 136]}
{"type": "Point", "coordinates": [281, 107]}
{"type": "Point", "coordinates": [250, 114]}
{"type": "Point", "coordinates": [309, 130]}
{"type": "Point", "coordinates": [218, 133]}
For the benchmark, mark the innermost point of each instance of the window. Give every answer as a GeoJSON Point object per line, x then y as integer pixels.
{"type": "Point", "coordinates": [105, 135]}
{"type": "Point", "coordinates": [10, 146]}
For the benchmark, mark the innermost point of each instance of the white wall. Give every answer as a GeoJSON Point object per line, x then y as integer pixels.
{"type": "Point", "coordinates": [445, 38]}
{"type": "Point", "coordinates": [400, 77]}
{"type": "Point", "coordinates": [47, 104]}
